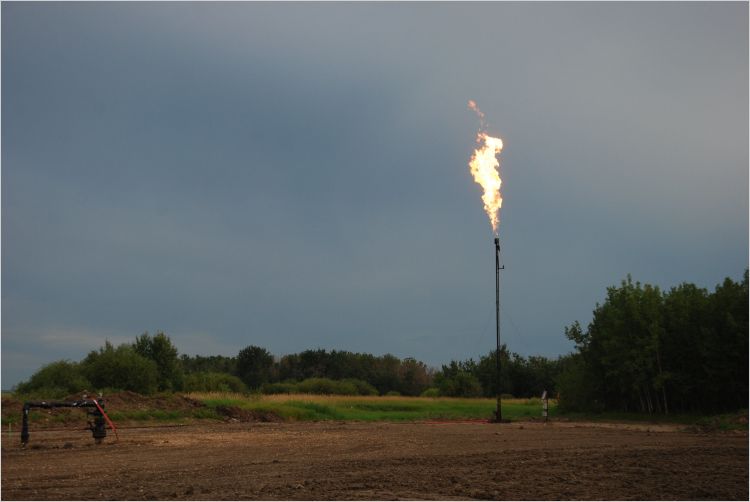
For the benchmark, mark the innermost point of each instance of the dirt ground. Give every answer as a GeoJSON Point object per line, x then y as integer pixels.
{"type": "Point", "coordinates": [330, 460]}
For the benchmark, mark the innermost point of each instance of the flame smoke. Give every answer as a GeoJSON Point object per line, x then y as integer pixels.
{"type": "Point", "coordinates": [473, 106]}
{"type": "Point", "coordinates": [485, 168]}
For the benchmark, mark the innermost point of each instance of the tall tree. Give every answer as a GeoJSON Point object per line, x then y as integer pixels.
{"type": "Point", "coordinates": [254, 366]}
{"type": "Point", "coordinates": [160, 349]}
{"type": "Point", "coordinates": [120, 368]}
{"type": "Point", "coordinates": [654, 352]}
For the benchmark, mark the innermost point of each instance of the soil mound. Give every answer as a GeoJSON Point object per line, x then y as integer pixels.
{"type": "Point", "coordinates": [236, 414]}
{"type": "Point", "coordinates": [127, 400]}
{"type": "Point", "coordinates": [9, 402]}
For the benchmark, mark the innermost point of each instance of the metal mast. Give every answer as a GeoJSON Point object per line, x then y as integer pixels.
{"type": "Point", "coordinates": [498, 412]}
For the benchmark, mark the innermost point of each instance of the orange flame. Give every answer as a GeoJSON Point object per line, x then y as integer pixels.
{"type": "Point", "coordinates": [485, 167]}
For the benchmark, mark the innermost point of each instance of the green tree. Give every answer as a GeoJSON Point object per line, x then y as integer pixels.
{"type": "Point", "coordinates": [623, 347]}
{"type": "Point", "coordinates": [161, 351]}
{"type": "Point", "coordinates": [254, 366]}
{"type": "Point", "coordinates": [685, 329]}
{"type": "Point", "coordinates": [644, 350]}
{"type": "Point", "coordinates": [458, 384]}
{"type": "Point", "coordinates": [414, 377]}
{"type": "Point", "coordinates": [212, 382]}
{"type": "Point", "coordinates": [56, 379]}
{"type": "Point", "coordinates": [457, 379]}
{"type": "Point", "coordinates": [212, 364]}
{"type": "Point", "coordinates": [289, 368]}
{"type": "Point", "coordinates": [486, 372]}
{"type": "Point", "coordinates": [120, 368]}
{"type": "Point", "coordinates": [575, 386]}
{"type": "Point", "coordinates": [384, 373]}
{"type": "Point", "coordinates": [726, 356]}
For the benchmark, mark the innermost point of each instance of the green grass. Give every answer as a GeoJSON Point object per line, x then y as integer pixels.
{"type": "Point", "coordinates": [307, 407]}
{"type": "Point", "coordinates": [373, 408]}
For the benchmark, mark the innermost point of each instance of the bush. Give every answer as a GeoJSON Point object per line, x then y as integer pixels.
{"type": "Point", "coordinates": [120, 368]}
{"type": "Point", "coordinates": [363, 388]}
{"type": "Point", "coordinates": [431, 392]}
{"type": "Point", "coordinates": [55, 380]}
{"type": "Point", "coordinates": [392, 393]}
{"type": "Point", "coordinates": [346, 387]}
{"type": "Point", "coordinates": [463, 384]}
{"type": "Point", "coordinates": [210, 381]}
{"type": "Point", "coordinates": [326, 386]}
{"type": "Point", "coordinates": [40, 393]}
{"type": "Point", "coordinates": [279, 388]}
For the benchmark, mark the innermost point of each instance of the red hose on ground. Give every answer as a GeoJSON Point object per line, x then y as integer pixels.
{"type": "Point", "coordinates": [111, 425]}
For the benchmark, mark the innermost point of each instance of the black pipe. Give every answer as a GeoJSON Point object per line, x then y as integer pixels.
{"type": "Point", "coordinates": [25, 426]}
{"type": "Point", "coordinates": [97, 427]}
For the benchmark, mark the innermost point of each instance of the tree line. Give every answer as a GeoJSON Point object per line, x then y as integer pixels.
{"type": "Point", "coordinates": [152, 364]}
{"type": "Point", "coordinates": [645, 350]}
{"type": "Point", "coordinates": [519, 376]}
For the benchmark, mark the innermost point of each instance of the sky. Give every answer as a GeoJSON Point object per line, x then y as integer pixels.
{"type": "Point", "coordinates": [295, 176]}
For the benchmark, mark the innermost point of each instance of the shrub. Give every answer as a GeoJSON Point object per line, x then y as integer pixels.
{"type": "Point", "coordinates": [40, 393]}
{"type": "Point", "coordinates": [431, 392]}
{"type": "Point", "coordinates": [279, 388]}
{"type": "Point", "coordinates": [393, 393]}
{"type": "Point", "coordinates": [363, 388]}
{"type": "Point", "coordinates": [210, 381]}
{"type": "Point", "coordinates": [463, 384]}
{"type": "Point", "coordinates": [326, 386]}
{"type": "Point", "coordinates": [55, 380]}
{"type": "Point", "coordinates": [120, 368]}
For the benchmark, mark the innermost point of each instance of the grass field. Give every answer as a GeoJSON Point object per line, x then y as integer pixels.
{"type": "Point", "coordinates": [169, 408]}
{"type": "Point", "coordinates": [372, 408]}
{"type": "Point", "coordinates": [294, 407]}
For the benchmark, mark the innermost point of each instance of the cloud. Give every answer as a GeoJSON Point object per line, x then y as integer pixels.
{"type": "Point", "coordinates": [26, 348]}
{"type": "Point", "coordinates": [295, 175]}
{"type": "Point", "coordinates": [78, 338]}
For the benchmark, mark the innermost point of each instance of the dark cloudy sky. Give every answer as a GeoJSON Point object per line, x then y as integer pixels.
{"type": "Point", "coordinates": [295, 175]}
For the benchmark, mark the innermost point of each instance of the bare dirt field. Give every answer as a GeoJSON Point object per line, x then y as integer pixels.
{"type": "Point", "coordinates": [330, 460]}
